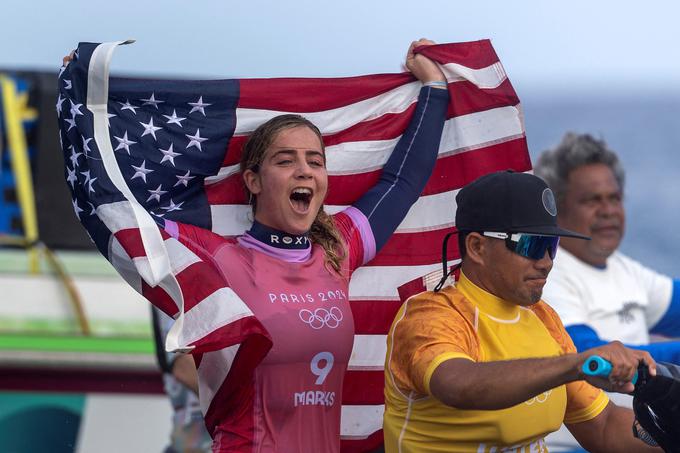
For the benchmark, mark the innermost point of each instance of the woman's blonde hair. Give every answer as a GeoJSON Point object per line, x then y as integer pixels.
{"type": "Point", "coordinates": [323, 230]}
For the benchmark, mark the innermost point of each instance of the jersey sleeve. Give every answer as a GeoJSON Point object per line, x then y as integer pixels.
{"type": "Point", "coordinates": [196, 238]}
{"type": "Point", "coordinates": [427, 332]}
{"type": "Point", "coordinates": [584, 401]}
{"type": "Point", "coordinates": [357, 235]}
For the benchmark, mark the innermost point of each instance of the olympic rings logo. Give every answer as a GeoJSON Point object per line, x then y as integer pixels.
{"type": "Point", "coordinates": [542, 398]}
{"type": "Point", "coordinates": [321, 317]}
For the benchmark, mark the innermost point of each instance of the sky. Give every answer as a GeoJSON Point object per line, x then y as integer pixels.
{"type": "Point", "coordinates": [544, 45]}
{"type": "Point", "coordinates": [575, 51]}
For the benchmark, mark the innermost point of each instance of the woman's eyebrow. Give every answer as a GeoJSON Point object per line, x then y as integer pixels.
{"type": "Point", "coordinates": [313, 152]}
{"type": "Point", "coordinates": [285, 151]}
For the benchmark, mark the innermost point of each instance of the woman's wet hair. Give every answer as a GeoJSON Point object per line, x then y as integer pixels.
{"type": "Point", "coordinates": [323, 230]}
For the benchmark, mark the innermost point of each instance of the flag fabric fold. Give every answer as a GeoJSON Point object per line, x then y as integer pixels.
{"type": "Point", "coordinates": [142, 156]}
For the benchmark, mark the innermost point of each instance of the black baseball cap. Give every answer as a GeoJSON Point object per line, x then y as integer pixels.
{"type": "Point", "coordinates": [509, 202]}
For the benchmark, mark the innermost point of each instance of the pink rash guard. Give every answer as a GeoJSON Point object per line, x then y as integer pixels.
{"type": "Point", "coordinates": [293, 401]}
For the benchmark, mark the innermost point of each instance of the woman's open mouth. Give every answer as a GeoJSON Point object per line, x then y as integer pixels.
{"type": "Point", "coordinates": [300, 199]}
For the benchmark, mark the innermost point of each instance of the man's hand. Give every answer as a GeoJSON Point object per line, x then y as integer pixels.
{"type": "Point", "coordinates": [422, 67]}
{"type": "Point", "coordinates": [624, 362]}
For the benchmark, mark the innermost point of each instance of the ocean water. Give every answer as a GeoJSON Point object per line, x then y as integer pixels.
{"type": "Point", "coordinates": [644, 129]}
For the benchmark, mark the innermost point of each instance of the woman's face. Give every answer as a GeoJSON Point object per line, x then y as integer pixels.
{"type": "Point", "coordinates": [292, 181]}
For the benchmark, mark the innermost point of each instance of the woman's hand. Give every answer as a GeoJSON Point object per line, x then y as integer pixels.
{"type": "Point", "coordinates": [422, 67]}
{"type": "Point", "coordinates": [68, 58]}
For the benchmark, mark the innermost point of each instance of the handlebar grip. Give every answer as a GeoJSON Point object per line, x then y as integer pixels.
{"type": "Point", "coordinates": [597, 366]}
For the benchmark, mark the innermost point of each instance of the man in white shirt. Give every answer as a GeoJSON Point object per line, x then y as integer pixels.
{"type": "Point", "coordinates": [600, 294]}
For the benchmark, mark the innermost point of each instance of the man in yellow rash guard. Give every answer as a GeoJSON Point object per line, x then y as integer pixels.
{"type": "Point", "coordinates": [486, 366]}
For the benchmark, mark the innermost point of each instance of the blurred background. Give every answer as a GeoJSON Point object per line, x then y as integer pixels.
{"type": "Point", "coordinates": [76, 356]}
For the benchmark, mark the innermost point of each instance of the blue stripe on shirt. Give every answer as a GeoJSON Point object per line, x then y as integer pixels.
{"type": "Point", "coordinates": [669, 324]}
{"type": "Point", "coordinates": [585, 338]}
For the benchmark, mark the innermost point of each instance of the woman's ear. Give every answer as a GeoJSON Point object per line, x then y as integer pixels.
{"type": "Point", "coordinates": [252, 181]}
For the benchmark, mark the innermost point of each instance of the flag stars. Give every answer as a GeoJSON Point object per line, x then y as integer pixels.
{"type": "Point", "coordinates": [169, 155]}
{"type": "Point", "coordinates": [71, 123]}
{"type": "Point", "coordinates": [172, 206]}
{"type": "Point", "coordinates": [156, 193]}
{"type": "Point", "coordinates": [124, 143]}
{"type": "Point", "coordinates": [141, 171]}
{"type": "Point", "coordinates": [108, 118]}
{"type": "Point", "coordinates": [184, 179]}
{"type": "Point", "coordinates": [174, 119]}
{"type": "Point", "coordinates": [75, 109]}
{"type": "Point", "coordinates": [152, 101]}
{"type": "Point", "coordinates": [88, 180]}
{"type": "Point", "coordinates": [93, 210]}
{"type": "Point", "coordinates": [71, 178]}
{"type": "Point", "coordinates": [67, 84]}
{"type": "Point", "coordinates": [150, 128]}
{"type": "Point", "coordinates": [74, 156]}
{"type": "Point", "coordinates": [76, 208]}
{"type": "Point", "coordinates": [127, 106]}
{"type": "Point", "coordinates": [198, 106]}
{"type": "Point", "coordinates": [195, 140]}
{"type": "Point", "coordinates": [86, 147]}
{"type": "Point", "coordinates": [60, 101]}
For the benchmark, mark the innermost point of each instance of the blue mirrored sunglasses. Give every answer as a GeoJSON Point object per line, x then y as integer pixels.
{"type": "Point", "coordinates": [528, 245]}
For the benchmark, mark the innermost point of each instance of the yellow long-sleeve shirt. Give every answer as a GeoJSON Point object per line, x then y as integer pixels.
{"type": "Point", "coordinates": [468, 322]}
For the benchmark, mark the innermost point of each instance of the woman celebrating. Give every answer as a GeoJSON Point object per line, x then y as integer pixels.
{"type": "Point", "coordinates": [293, 267]}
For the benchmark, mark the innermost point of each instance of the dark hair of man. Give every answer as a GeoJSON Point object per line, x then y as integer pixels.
{"type": "Point", "coordinates": [574, 151]}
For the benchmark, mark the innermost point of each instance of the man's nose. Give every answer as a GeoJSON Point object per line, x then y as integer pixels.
{"type": "Point", "coordinates": [544, 263]}
{"type": "Point", "coordinates": [608, 208]}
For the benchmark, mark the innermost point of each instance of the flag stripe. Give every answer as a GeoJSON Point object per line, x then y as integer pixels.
{"type": "Point", "coordinates": [451, 172]}
{"type": "Point", "coordinates": [363, 387]}
{"type": "Point", "coordinates": [358, 422]}
{"type": "Point", "coordinates": [381, 282]}
{"type": "Point", "coordinates": [368, 352]}
{"type": "Point", "coordinates": [331, 121]}
{"type": "Point", "coordinates": [340, 119]}
{"type": "Point", "coordinates": [212, 371]}
{"type": "Point", "coordinates": [327, 94]}
{"type": "Point", "coordinates": [460, 133]}
{"type": "Point", "coordinates": [365, 444]}
{"type": "Point", "coordinates": [466, 98]}
{"type": "Point", "coordinates": [161, 298]}
{"type": "Point", "coordinates": [373, 316]}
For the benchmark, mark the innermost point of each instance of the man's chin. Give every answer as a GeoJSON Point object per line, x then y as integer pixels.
{"type": "Point", "coordinates": [607, 247]}
{"type": "Point", "coordinates": [536, 296]}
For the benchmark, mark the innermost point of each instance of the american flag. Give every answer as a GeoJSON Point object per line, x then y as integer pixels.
{"type": "Point", "coordinates": [138, 152]}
